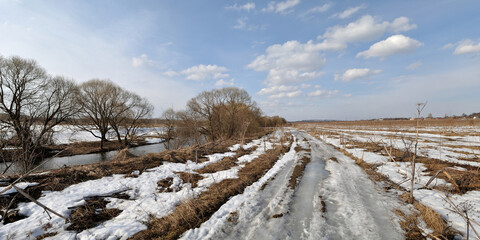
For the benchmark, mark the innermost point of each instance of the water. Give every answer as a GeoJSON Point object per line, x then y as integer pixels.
{"type": "Point", "coordinates": [58, 162]}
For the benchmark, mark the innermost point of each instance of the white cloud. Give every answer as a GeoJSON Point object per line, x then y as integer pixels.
{"type": "Point", "coordinates": [349, 12]}
{"type": "Point", "coordinates": [317, 9]}
{"type": "Point", "coordinates": [395, 44]}
{"type": "Point", "coordinates": [448, 46]}
{"type": "Point", "coordinates": [356, 73]}
{"type": "Point", "coordinates": [323, 93]}
{"type": "Point", "coordinates": [142, 60]}
{"type": "Point", "coordinates": [291, 62]}
{"type": "Point", "coordinates": [170, 73]}
{"type": "Point", "coordinates": [306, 85]}
{"type": "Point", "coordinates": [202, 72]}
{"type": "Point", "coordinates": [221, 83]}
{"type": "Point", "coordinates": [241, 23]}
{"type": "Point", "coordinates": [414, 65]}
{"type": "Point", "coordinates": [287, 94]}
{"type": "Point", "coordinates": [247, 7]}
{"type": "Point", "coordinates": [467, 46]}
{"type": "Point", "coordinates": [365, 28]}
{"type": "Point", "coordinates": [276, 89]}
{"type": "Point", "coordinates": [281, 7]}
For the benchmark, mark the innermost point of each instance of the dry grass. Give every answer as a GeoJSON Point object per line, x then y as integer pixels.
{"type": "Point", "coordinates": [91, 214]}
{"type": "Point", "coordinates": [466, 180]}
{"type": "Point", "coordinates": [226, 163]}
{"type": "Point", "coordinates": [194, 212]}
{"type": "Point", "coordinates": [409, 224]}
{"type": "Point", "coordinates": [46, 235]}
{"type": "Point", "coordinates": [88, 147]}
{"type": "Point", "coordinates": [449, 122]}
{"type": "Point", "coordinates": [165, 185]}
{"type": "Point", "coordinates": [191, 178]}
{"type": "Point", "coordinates": [441, 230]}
{"type": "Point", "coordinates": [299, 168]}
{"type": "Point", "coordinates": [324, 206]}
{"type": "Point", "coordinates": [124, 163]}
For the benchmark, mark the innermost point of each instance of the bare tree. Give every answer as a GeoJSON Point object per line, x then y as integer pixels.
{"type": "Point", "coordinates": [170, 118]}
{"type": "Point", "coordinates": [95, 99]}
{"type": "Point", "coordinates": [107, 106]}
{"type": "Point", "coordinates": [138, 109]}
{"type": "Point", "coordinates": [225, 112]}
{"type": "Point", "coordinates": [33, 103]}
{"type": "Point", "coordinates": [203, 106]}
{"type": "Point", "coordinates": [420, 107]}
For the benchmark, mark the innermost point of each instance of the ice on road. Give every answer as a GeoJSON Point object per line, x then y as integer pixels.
{"type": "Point", "coordinates": [354, 207]}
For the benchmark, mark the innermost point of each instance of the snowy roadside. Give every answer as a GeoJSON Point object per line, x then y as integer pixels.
{"type": "Point", "coordinates": [145, 201]}
{"type": "Point", "coordinates": [400, 173]}
{"type": "Point", "coordinates": [333, 200]}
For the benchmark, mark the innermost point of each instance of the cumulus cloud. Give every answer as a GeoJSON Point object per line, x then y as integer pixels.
{"type": "Point", "coordinates": [414, 65]}
{"type": "Point", "coordinates": [395, 44]}
{"type": "Point", "coordinates": [281, 7]}
{"type": "Point", "coordinates": [349, 12]}
{"type": "Point", "coordinates": [467, 46]}
{"type": "Point", "coordinates": [287, 94]}
{"type": "Point", "coordinates": [222, 83]}
{"type": "Point", "coordinates": [276, 89]}
{"type": "Point", "coordinates": [246, 7]}
{"type": "Point", "coordinates": [202, 72]}
{"type": "Point", "coordinates": [323, 93]}
{"type": "Point", "coordinates": [365, 28]}
{"type": "Point", "coordinates": [291, 62]}
{"type": "Point", "coordinates": [140, 61]}
{"type": "Point", "coordinates": [356, 73]}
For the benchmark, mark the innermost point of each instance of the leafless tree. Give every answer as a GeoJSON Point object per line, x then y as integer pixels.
{"type": "Point", "coordinates": [170, 119]}
{"type": "Point", "coordinates": [107, 106]}
{"type": "Point", "coordinates": [33, 103]}
{"type": "Point", "coordinates": [95, 99]}
{"type": "Point", "coordinates": [225, 112]}
{"type": "Point", "coordinates": [420, 107]}
{"type": "Point", "coordinates": [138, 109]}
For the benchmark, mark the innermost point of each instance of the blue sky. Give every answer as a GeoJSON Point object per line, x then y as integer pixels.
{"type": "Point", "coordinates": [298, 59]}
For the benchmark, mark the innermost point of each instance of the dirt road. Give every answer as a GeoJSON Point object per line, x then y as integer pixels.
{"type": "Point", "coordinates": [334, 199]}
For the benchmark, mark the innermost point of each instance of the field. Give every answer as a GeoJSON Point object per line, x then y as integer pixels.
{"type": "Point", "coordinates": [447, 172]}
{"type": "Point", "coordinates": [331, 180]}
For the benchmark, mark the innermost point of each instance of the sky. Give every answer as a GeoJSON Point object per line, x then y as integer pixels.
{"type": "Point", "coordinates": [343, 60]}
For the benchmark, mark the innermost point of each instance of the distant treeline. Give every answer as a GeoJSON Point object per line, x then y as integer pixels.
{"type": "Point", "coordinates": [218, 114]}
{"type": "Point", "coordinates": [32, 103]}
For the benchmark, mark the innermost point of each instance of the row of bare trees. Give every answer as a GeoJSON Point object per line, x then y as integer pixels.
{"type": "Point", "coordinates": [32, 103]}
{"type": "Point", "coordinates": [218, 114]}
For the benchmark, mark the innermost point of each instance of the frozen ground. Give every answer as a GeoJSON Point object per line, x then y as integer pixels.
{"type": "Point", "coordinates": [145, 199]}
{"type": "Point", "coordinates": [459, 145]}
{"type": "Point", "coordinates": [355, 207]}
{"type": "Point", "coordinates": [65, 134]}
{"type": "Point", "coordinates": [334, 199]}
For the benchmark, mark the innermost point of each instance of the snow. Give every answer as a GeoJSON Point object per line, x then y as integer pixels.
{"type": "Point", "coordinates": [66, 134]}
{"type": "Point", "coordinates": [356, 209]}
{"type": "Point", "coordinates": [434, 147]}
{"type": "Point", "coordinates": [21, 185]}
{"type": "Point", "coordinates": [220, 217]}
{"type": "Point", "coordinates": [145, 201]}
